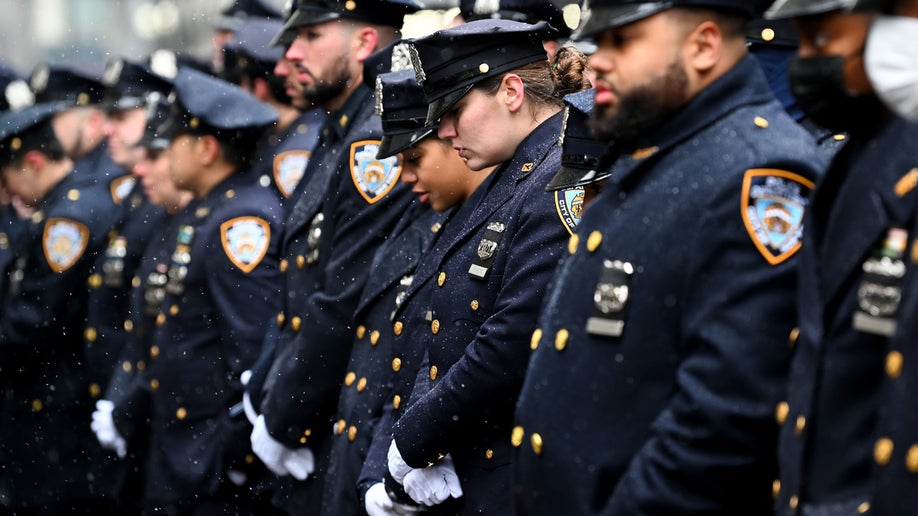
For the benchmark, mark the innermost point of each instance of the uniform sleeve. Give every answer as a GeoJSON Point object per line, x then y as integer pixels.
{"type": "Point", "coordinates": [307, 382]}
{"type": "Point", "coordinates": [488, 376]}
{"type": "Point", "coordinates": [719, 431]}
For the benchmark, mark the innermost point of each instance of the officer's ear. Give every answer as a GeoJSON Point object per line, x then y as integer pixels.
{"type": "Point", "coordinates": [34, 161]}
{"type": "Point", "coordinates": [512, 92]}
{"type": "Point", "coordinates": [209, 149]}
{"type": "Point", "coordinates": [365, 40]}
{"type": "Point", "coordinates": [704, 47]}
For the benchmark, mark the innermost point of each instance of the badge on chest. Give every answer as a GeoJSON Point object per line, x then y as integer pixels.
{"type": "Point", "coordinates": [487, 250]}
{"type": "Point", "coordinates": [610, 299]}
{"type": "Point", "coordinates": [880, 291]}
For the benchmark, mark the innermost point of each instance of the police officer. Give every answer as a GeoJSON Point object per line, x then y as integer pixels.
{"type": "Point", "coordinates": [46, 470]}
{"type": "Point", "coordinates": [284, 152]}
{"type": "Point", "coordinates": [846, 444]}
{"type": "Point", "coordinates": [233, 15]}
{"type": "Point", "coordinates": [222, 285]}
{"type": "Point", "coordinates": [661, 351]}
{"type": "Point", "coordinates": [498, 104]}
{"type": "Point", "coordinates": [350, 201]}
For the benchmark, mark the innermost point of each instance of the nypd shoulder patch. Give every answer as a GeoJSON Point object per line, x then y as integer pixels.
{"type": "Point", "coordinates": [773, 204]}
{"type": "Point", "coordinates": [288, 170]}
{"type": "Point", "coordinates": [245, 241]}
{"type": "Point", "coordinates": [569, 206]}
{"type": "Point", "coordinates": [121, 187]}
{"type": "Point", "coordinates": [373, 177]}
{"type": "Point", "coordinates": [64, 241]}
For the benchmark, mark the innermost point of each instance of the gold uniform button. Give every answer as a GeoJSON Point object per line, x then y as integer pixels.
{"type": "Point", "coordinates": [230, 194]}
{"type": "Point", "coordinates": [800, 425]}
{"type": "Point", "coordinates": [775, 489]}
{"type": "Point", "coordinates": [435, 327]}
{"type": "Point", "coordinates": [126, 366]}
{"type": "Point", "coordinates": [760, 122]}
{"type": "Point", "coordinates": [436, 227]}
{"type": "Point", "coordinates": [173, 310]}
{"type": "Point", "coordinates": [894, 364]}
{"type": "Point", "coordinates": [90, 334]}
{"type": "Point", "coordinates": [129, 326]}
{"type": "Point", "coordinates": [441, 279]}
{"type": "Point", "coordinates": [516, 436]}
{"type": "Point", "coordinates": [350, 5]}
{"type": "Point", "coordinates": [37, 405]}
{"type": "Point", "coordinates": [593, 241]}
{"type": "Point", "coordinates": [141, 365]}
{"type": "Point", "coordinates": [536, 337]}
{"type": "Point", "coordinates": [361, 332]}
{"type": "Point", "coordinates": [161, 319]}
{"type": "Point", "coordinates": [792, 338]}
{"type": "Point", "coordinates": [361, 384]}
{"type": "Point", "coordinates": [433, 372]}
{"type": "Point", "coordinates": [154, 351]}
{"type": "Point", "coordinates": [781, 412]}
{"type": "Point", "coordinates": [249, 458]}
{"type": "Point", "coordinates": [135, 282]}
{"type": "Point", "coordinates": [911, 459]}
{"type": "Point", "coordinates": [280, 320]}
{"type": "Point", "coordinates": [882, 451]}
{"type": "Point", "coordinates": [768, 34]}
{"type": "Point", "coordinates": [793, 502]}
{"type": "Point", "coordinates": [154, 384]}
{"type": "Point", "coordinates": [283, 265]}
{"type": "Point", "coordinates": [339, 427]}
{"type": "Point", "coordinates": [536, 441]}
{"type": "Point", "coordinates": [483, 68]}
{"type": "Point", "coordinates": [295, 323]}
{"type": "Point", "coordinates": [352, 433]}
{"type": "Point", "coordinates": [396, 364]}
{"type": "Point", "coordinates": [300, 261]}
{"type": "Point", "coordinates": [863, 508]}
{"type": "Point", "coordinates": [561, 339]}
{"type": "Point", "coordinates": [73, 195]}
{"type": "Point", "coordinates": [374, 337]}
{"type": "Point", "coordinates": [349, 379]}
{"type": "Point", "coordinates": [489, 454]}
{"type": "Point", "coordinates": [95, 280]}
{"type": "Point", "coordinates": [396, 401]}
{"type": "Point", "coordinates": [474, 305]}
{"type": "Point", "coordinates": [839, 137]}
{"type": "Point", "coordinates": [94, 390]}
{"type": "Point", "coordinates": [573, 243]}
{"type": "Point", "coordinates": [398, 327]}
{"type": "Point", "coordinates": [181, 413]}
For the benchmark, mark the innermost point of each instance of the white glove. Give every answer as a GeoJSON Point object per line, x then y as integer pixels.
{"type": "Point", "coordinates": [397, 466]}
{"type": "Point", "coordinates": [104, 427]}
{"type": "Point", "coordinates": [432, 486]}
{"type": "Point", "coordinates": [300, 463]}
{"type": "Point", "coordinates": [282, 461]}
{"type": "Point", "coordinates": [378, 503]}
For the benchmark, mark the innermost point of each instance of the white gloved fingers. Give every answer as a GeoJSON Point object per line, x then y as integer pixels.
{"type": "Point", "coordinates": [397, 466]}
{"type": "Point", "coordinates": [377, 501]}
{"type": "Point", "coordinates": [271, 452]}
{"type": "Point", "coordinates": [245, 377]}
{"type": "Point", "coordinates": [105, 405]}
{"type": "Point", "coordinates": [300, 463]}
{"type": "Point", "coordinates": [422, 485]}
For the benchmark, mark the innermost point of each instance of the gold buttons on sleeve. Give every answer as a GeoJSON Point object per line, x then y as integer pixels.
{"type": "Point", "coordinates": [781, 411]}
{"type": "Point", "coordinates": [516, 436]}
{"type": "Point", "coordinates": [94, 390]}
{"type": "Point", "coordinates": [361, 384]}
{"type": "Point", "coordinates": [352, 433]}
{"type": "Point", "coordinates": [882, 451]}
{"type": "Point", "coordinates": [573, 243]}
{"type": "Point", "coordinates": [339, 426]}
{"type": "Point", "coordinates": [536, 441]}
{"type": "Point", "coordinates": [181, 413]}
{"type": "Point", "coordinates": [396, 364]}
{"type": "Point", "coordinates": [441, 279]}
{"type": "Point", "coordinates": [433, 372]}
{"type": "Point", "coordinates": [593, 241]}
{"type": "Point", "coordinates": [911, 459]}
{"type": "Point", "coordinates": [561, 339]}
{"type": "Point", "coordinates": [396, 402]}
{"type": "Point", "coordinates": [374, 337]}
{"type": "Point", "coordinates": [295, 323]}
{"type": "Point", "coordinates": [361, 332]}
{"type": "Point", "coordinates": [894, 364]}
{"type": "Point", "coordinates": [435, 327]}
{"type": "Point", "coordinates": [398, 327]}
{"type": "Point", "coordinates": [536, 337]}
{"type": "Point", "coordinates": [349, 379]}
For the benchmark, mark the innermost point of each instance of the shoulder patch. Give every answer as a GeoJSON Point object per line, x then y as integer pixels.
{"type": "Point", "coordinates": [121, 187]}
{"type": "Point", "coordinates": [373, 177]}
{"type": "Point", "coordinates": [569, 206]}
{"type": "Point", "coordinates": [288, 170]}
{"type": "Point", "coordinates": [64, 241]}
{"type": "Point", "coordinates": [245, 241]}
{"type": "Point", "coordinates": [773, 204]}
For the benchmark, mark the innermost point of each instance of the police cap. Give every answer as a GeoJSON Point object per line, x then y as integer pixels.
{"type": "Point", "coordinates": [795, 8]}
{"type": "Point", "coordinates": [250, 52]}
{"type": "Point", "coordinates": [65, 84]}
{"type": "Point", "coordinates": [157, 112]}
{"type": "Point", "coordinates": [203, 104]}
{"type": "Point", "coordinates": [236, 12]}
{"type": "Point", "coordinates": [449, 62]}
{"type": "Point", "coordinates": [25, 129]}
{"type": "Point", "coordinates": [599, 15]}
{"type": "Point", "coordinates": [580, 153]}
{"type": "Point", "coordinates": [401, 105]}
{"type": "Point", "coordinates": [526, 11]}
{"type": "Point", "coordinates": [127, 83]}
{"type": "Point", "coordinates": [311, 12]}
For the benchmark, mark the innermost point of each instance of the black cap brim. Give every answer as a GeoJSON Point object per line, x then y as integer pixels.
{"type": "Point", "coordinates": [600, 18]}
{"type": "Point", "coordinates": [568, 177]}
{"type": "Point", "coordinates": [390, 145]}
{"type": "Point", "coordinates": [301, 18]}
{"type": "Point", "coordinates": [797, 8]}
{"type": "Point", "coordinates": [440, 106]}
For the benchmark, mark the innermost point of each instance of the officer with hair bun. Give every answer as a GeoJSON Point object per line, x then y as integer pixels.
{"type": "Point", "coordinates": [660, 353]}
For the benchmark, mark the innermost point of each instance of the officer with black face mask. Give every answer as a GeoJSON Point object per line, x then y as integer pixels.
{"type": "Point", "coordinates": [847, 426]}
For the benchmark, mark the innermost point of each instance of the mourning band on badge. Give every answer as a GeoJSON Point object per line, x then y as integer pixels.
{"type": "Point", "coordinates": [880, 290]}
{"type": "Point", "coordinates": [610, 299]}
{"type": "Point", "coordinates": [487, 250]}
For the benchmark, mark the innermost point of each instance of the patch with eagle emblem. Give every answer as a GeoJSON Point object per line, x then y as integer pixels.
{"type": "Point", "coordinates": [773, 204]}
{"type": "Point", "coordinates": [245, 241]}
{"type": "Point", "coordinates": [373, 177]}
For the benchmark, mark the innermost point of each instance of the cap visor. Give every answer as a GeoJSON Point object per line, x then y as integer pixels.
{"type": "Point", "coordinates": [439, 107]}
{"type": "Point", "coordinates": [568, 177]}
{"type": "Point", "coordinates": [300, 18]}
{"type": "Point", "coordinates": [390, 145]}
{"type": "Point", "coordinates": [794, 8]}
{"type": "Point", "coordinates": [601, 18]}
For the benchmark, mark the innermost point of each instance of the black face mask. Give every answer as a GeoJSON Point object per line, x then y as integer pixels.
{"type": "Point", "coordinates": [818, 83]}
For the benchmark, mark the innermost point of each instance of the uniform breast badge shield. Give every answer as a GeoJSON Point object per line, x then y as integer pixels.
{"type": "Point", "coordinates": [880, 290]}
{"type": "Point", "coordinates": [610, 299]}
{"type": "Point", "coordinates": [487, 248]}
{"type": "Point", "coordinates": [773, 205]}
{"type": "Point", "coordinates": [245, 241]}
{"type": "Point", "coordinates": [373, 177]}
